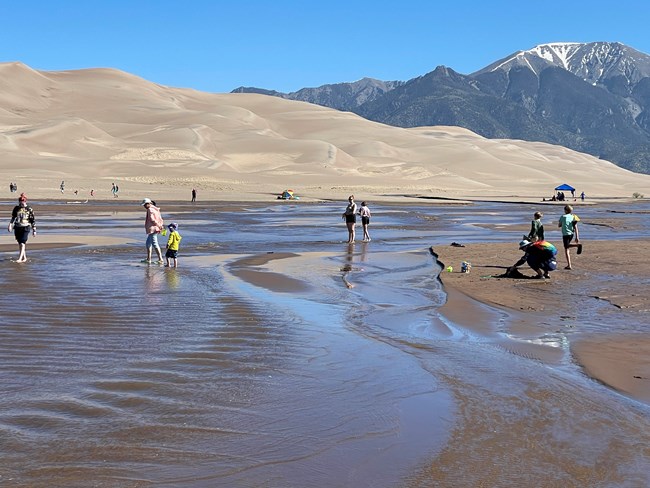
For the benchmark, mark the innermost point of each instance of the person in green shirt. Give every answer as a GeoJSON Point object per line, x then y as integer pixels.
{"type": "Point", "coordinates": [536, 228]}
{"type": "Point", "coordinates": [569, 225]}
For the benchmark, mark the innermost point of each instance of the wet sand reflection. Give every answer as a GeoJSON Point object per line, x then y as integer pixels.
{"type": "Point", "coordinates": [260, 369]}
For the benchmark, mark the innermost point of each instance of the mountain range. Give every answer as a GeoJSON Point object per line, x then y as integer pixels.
{"type": "Point", "coordinates": [590, 97]}
{"type": "Point", "coordinates": [94, 127]}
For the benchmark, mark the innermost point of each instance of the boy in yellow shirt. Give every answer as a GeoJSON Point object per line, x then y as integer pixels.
{"type": "Point", "coordinates": [173, 243]}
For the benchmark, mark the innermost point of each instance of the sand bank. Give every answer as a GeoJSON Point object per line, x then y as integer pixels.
{"type": "Point", "coordinates": [610, 277]}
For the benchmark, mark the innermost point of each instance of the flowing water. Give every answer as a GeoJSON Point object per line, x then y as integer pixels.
{"type": "Point", "coordinates": [252, 365]}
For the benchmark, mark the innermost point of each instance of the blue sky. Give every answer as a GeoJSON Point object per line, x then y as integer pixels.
{"type": "Point", "coordinates": [285, 45]}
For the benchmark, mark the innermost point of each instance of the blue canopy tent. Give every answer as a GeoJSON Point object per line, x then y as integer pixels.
{"type": "Point", "coordinates": [564, 187]}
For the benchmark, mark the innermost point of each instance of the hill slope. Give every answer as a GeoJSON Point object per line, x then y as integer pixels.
{"type": "Point", "coordinates": [102, 124]}
{"type": "Point", "coordinates": [591, 97]}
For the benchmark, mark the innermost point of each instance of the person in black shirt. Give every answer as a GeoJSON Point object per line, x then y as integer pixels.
{"type": "Point", "coordinates": [22, 222]}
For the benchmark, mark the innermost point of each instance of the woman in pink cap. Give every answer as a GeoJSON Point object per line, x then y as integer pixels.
{"type": "Point", "coordinates": [153, 225]}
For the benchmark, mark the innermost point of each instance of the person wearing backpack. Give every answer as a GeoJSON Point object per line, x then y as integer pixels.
{"type": "Point", "coordinates": [22, 223]}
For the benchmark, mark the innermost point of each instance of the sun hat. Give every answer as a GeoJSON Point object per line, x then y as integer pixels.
{"type": "Point", "coordinates": [173, 226]}
{"type": "Point", "coordinates": [145, 201]}
{"type": "Point", "coordinates": [524, 243]}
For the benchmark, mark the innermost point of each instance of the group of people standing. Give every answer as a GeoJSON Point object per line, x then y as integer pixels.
{"type": "Point", "coordinates": [350, 217]}
{"type": "Point", "coordinates": [540, 254]}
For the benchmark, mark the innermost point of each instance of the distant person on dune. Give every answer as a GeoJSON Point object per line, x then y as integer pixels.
{"type": "Point", "coordinates": [153, 225]}
{"type": "Point", "coordinates": [22, 222]}
{"type": "Point", "coordinates": [193, 195]}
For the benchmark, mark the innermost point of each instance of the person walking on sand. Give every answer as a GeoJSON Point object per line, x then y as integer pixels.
{"type": "Point", "coordinates": [153, 225]}
{"type": "Point", "coordinates": [193, 195]}
{"type": "Point", "coordinates": [22, 222]}
{"type": "Point", "coordinates": [350, 217]}
{"type": "Point", "coordinates": [539, 255]}
{"type": "Point", "coordinates": [173, 242]}
{"type": "Point", "coordinates": [569, 225]}
{"type": "Point", "coordinates": [364, 211]}
{"type": "Point", "coordinates": [536, 228]}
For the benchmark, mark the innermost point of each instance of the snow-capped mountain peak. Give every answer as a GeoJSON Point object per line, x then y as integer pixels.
{"type": "Point", "coordinates": [594, 62]}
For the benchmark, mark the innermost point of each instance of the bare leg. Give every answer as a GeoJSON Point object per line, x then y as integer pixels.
{"type": "Point", "coordinates": [22, 257]}
{"type": "Point", "coordinates": [351, 232]}
{"type": "Point", "coordinates": [567, 255]}
{"type": "Point", "coordinates": [148, 254]}
{"type": "Point", "coordinates": [160, 257]}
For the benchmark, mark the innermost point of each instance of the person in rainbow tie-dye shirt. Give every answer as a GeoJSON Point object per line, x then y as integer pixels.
{"type": "Point", "coordinates": [540, 256]}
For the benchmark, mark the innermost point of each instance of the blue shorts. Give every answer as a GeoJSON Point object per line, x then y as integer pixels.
{"type": "Point", "coordinates": [152, 240]}
{"type": "Point", "coordinates": [547, 265]}
{"type": "Point", "coordinates": [171, 254]}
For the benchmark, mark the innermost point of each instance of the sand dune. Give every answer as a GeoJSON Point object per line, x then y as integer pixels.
{"type": "Point", "coordinates": [91, 126]}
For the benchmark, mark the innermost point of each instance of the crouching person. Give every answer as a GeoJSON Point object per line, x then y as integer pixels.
{"type": "Point", "coordinates": [539, 255]}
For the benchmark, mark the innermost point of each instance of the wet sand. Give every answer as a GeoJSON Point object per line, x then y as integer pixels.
{"type": "Point", "coordinates": [255, 364]}
{"type": "Point", "coordinates": [610, 275]}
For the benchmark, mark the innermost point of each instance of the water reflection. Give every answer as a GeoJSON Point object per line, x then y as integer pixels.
{"type": "Point", "coordinates": [113, 370]}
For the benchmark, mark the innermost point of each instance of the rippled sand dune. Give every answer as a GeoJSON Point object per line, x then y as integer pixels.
{"type": "Point", "coordinates": [91, 127]}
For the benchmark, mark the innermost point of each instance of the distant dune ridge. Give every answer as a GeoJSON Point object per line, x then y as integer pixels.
{"type": "Point", "coordinates": [89, 127]}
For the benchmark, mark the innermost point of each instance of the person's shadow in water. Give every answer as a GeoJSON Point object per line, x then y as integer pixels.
{"type": "Point", "coordinates": [348, 267]}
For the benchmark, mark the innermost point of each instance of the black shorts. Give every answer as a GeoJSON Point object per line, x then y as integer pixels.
{"type": "Point", "coordinates": [171, 254]}
{"type": "Point", "coordinates": [365, 220]}
{"type": "Point", "coordinates": [566, 240]}
{"type": "Point", "coordinates": [22, 234]}
{"type": "Point", "coordinates": [350, 219]}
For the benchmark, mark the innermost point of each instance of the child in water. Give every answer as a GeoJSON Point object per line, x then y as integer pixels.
{"type": "Point", "coordinates": [173, 243]}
